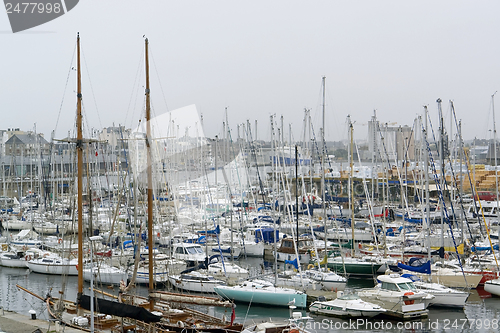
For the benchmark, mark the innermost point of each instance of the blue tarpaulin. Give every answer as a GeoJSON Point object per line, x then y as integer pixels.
{"type": "Point", "coordinates": [425, 268]}
{"type": "Point", "coordinates": [293, 262]}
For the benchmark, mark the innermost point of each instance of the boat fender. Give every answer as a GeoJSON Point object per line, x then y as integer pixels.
{"type": "Point", "coordinates": [411, 301]}
{"type": "Point", "coordinates": [180, 323]}
{"type": "Point", "coordinates": [158, 235]}
{"type": "Point", "coordinates": [360, 246]}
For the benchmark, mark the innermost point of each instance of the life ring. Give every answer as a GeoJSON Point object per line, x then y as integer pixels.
{"type": "Point", "coordinates": [158, 235]}
{"type": "Point", "coordinates": [294, 330]}
{"type": "Point", "coordinates": [313, 254]}
{"type": "Point", "coordinates": [446, 256]}
{"type": "Point", "coordinates": [59, 240]}
{"type": "Point", "coordinates": [410, 301]}
{"type": "Point", "coordinates": [360, 246]}
{"type": "Point", "coordinates": [348, 254]}
{"type": "Point", "coordinates": [27, 258]}
{"type": "Point", "coordinates": [310, 266]}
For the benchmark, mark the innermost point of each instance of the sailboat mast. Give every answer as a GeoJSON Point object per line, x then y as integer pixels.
{"type": "Point", "coordinates": [79, 154]}
{"type": "Point", "coordinates": [426, 174]}
{"type": "Point", "coordinates": [150, 176]}
{"type": "Point", "coordinates": [441, 155]}
{"type": "Point", "coordinates": [495, 146]}
{"type": "Point", "coordinates": [351, 183]}
{"type": "Point", "coordinates": [323, 184]}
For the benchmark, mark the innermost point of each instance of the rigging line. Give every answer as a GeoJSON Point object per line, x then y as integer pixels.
{"type": "Point", "coordinates": [65, 86]}
{"type": "Point", "coordinates": [92, 89]}
{"type": "Point", "coordinates": [135, 92]}
{"type": "Point", "coordinates": [309, 210]}
{"type": "Point", "coordinates": [159, 81]}
{"type": "Point", "coordinates": [382, 139]}
{"type": "Point", "coordinates": [471, 183]}
{"type": "Point", "coordinates": [463, 209]}
{"type": "Point", "coordinates": [482, 214]}
{"type": "Point", "coordinates": [370, 205]}
{"type": "Point", "coordinates": [254, 155]}
{"type": "Point", "coordinates": [247, 165]}
{"type": "Point", "coordinates": [445, 211]}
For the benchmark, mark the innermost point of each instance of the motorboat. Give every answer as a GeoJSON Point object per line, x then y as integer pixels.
{"type": "Point", "coordinates": [192, 254]}
{"type": "Point", "coordinates": [399, 296]}
{"type": "Point", "coordinates": [348, 305]}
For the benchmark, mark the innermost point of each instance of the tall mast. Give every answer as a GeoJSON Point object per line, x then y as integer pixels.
{"type": "Point", "coordinates": [495, 146]}
{"type": "Point", "coordinates": [79, 154]}
{"type": "Point", "coordinates": [323, 184]}
{"type": "Point", "coordinates": [351, 183]}
{"type": "Point", "coordinates": [426, 174]}
{"type": "Point", "coordinates": [441, 155]}
{"type": "Point", "coordinates": [150, 177]}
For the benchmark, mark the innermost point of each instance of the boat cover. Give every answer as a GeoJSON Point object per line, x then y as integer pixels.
{"type": "Point", "coordinates": [425, 268]}
{"type": "Point", "coordinates": [119, 309]}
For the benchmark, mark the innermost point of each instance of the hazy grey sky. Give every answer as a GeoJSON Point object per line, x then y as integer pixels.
{"type": "Point", "coordinates": [257, 58]}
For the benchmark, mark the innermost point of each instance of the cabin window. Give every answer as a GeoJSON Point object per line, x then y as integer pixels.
{"type": "Point", "coordinates": [406, 286]}
{"type": "Point", "coordinates": [389, 286]}
{"type": "Point", "coordinates": [192, 250]}
{"type": "Point", "coordinates": [179, 250]}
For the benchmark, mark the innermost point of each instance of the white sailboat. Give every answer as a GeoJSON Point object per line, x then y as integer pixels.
{"type": "Point", "coordinates": [262, 292]}
{"type": "Point", "coordinates": [195, 282]}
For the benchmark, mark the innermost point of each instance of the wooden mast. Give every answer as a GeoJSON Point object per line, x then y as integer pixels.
{"type": "Point", "coordinates": [150, 178]}
{"type": "Point", "coordinates": [79, 153]}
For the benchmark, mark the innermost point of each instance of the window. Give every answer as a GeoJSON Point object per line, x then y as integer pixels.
{"type": "Point", "coordinates": [389, 286]}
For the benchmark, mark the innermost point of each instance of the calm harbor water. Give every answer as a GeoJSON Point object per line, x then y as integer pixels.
{"type": "Point", "coordinates": [481, 313]}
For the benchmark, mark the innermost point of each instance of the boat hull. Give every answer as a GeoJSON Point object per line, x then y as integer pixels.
{"type": "Point", "coordinates": [493, 287]}
{"type": "Point", "coordinates": [194, 286]}
{"type": "Point", "coordinates": [339, 311]}
{"type": "Point", "coordinates": [262, 297]}
{"type": "Point", "coordinates": [358, 268]}
{"type": "Point", "coordinates": [54, 269]}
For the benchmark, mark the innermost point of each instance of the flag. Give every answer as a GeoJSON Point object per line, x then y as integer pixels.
{"type": "Point", "coordinates": [324, 260]}
{"type": "Point", "coordinates": [233, 314]}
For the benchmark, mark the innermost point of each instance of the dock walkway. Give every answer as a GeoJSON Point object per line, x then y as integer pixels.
{"type": "Point", "coordinates": [12, 322]}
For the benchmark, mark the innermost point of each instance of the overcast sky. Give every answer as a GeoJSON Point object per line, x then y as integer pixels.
{"type": "Point", "coordinates": [257, 58]}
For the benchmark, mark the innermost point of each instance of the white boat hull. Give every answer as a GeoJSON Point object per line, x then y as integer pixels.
{"type": "Point", "coordinates": [194, 286]}
{"type": "Point", "coordinates": [493, 287]}
{"type": "Point", "coordinates": [66, 268]}
{"type": "Point", "coordinates": [105, 276]}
